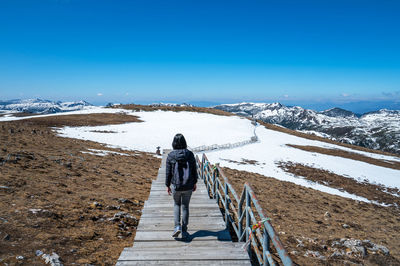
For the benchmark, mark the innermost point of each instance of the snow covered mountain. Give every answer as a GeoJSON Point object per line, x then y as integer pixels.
{"type": "Point", "coordinates": [41, 106]}
{"type": "Point", "coordinates": [376, 130]}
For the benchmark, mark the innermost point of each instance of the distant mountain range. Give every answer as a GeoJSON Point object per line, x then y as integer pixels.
{"type": "Point", "coordinates": [376, 130]}
{"type": "Point", "coordinates": [41, 106]}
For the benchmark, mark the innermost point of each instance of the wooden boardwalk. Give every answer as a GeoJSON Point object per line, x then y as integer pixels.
{"type": "Point", "coordinates": [209, 242]}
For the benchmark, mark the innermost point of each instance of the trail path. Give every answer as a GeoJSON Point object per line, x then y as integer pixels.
{"type": "Point", "coordinates": [209, 242]}
{"type": "Point", "coordinates": [215, 147]}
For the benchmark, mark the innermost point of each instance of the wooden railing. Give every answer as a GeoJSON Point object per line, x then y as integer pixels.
{"type": "Point", "coordinates": [242, 213]}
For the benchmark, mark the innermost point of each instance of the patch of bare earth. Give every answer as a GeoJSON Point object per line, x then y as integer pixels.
{"type": "Point", "coordinates": [310, 221]}
{"type": "Point", "coordinates": [100, 119]}
{"type": "Point", "coordinates": [349, 155]}
{"type": "Point", "coordinates": [137, 107]}
{"type": "Point", "coordinates": [243, 161]}
{"type": "Point", "coordinates": [54, 198]}
{"type": "Point", "coordinates": [378, 193]}
{"type": "Point", "coordinates": [18, 114]}
{"type": "Point", "coordinates": [318, 138]}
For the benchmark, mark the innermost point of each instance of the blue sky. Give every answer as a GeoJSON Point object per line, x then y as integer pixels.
{"type": "Point", "coordinates": [297, 52]}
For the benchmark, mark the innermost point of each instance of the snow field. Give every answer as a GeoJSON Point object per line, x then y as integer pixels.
{"type": "Point", "coordinates": [86, 110]}
{"type": "Point", "coordinates": [159, 128]}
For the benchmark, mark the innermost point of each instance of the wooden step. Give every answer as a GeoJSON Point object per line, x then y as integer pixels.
{"type": "Point", "coordinates": [208, 242]}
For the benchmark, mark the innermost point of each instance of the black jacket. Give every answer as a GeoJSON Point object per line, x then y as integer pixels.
{"type": "Point", "coordinates": [183, 155]}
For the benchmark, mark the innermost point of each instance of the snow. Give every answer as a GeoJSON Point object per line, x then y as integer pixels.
{"type": "Point", "coordinates": [41, 106]}
{"type": "Point", "coordinates": [384, 124]}
{"type": "Point", "coordinates": [86, 110]}
{"type": "Point", "coordinates": [272, 148]}
{"type": "Point", "coordinates": [159, 128]}
{"type": "Point", "coordinates": [103, 152]}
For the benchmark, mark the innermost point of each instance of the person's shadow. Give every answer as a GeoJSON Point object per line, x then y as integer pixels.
{"type": "Point", "coordinates": [222, 235]}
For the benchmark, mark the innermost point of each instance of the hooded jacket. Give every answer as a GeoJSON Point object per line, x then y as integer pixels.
{"type": "Point", "coordinates": [183, 155]}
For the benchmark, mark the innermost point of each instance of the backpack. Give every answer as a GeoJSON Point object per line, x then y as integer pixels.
{"type": "Point", "coordinates": [181, 177]}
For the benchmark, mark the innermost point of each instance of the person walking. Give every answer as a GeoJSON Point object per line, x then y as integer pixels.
{"type": "Point", "coordinates": [181, 179]}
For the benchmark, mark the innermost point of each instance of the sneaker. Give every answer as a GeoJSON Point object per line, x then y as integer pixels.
{"type": "Point", "coordinates": [177, 231]}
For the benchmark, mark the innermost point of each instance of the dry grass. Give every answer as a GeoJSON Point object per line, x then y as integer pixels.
{"type": "Point", "coordinates": [365, 189]}
{"type": "Point", "coordinates": [297, 212]}
{"type": "Point", "coordinates": [349, 155]}
{"type": "Point", "coordinates": [42, 171]}
{"type": "Point", "coordinates": [50, 173]}
{"type": "Point", "coordinates": [82, 120]}
{"type": "Point", "coordinates": [137, 107]}
{"type": "Point", "coordinates": [314, 137]}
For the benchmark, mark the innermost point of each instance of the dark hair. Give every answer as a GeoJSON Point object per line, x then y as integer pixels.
{"type": "Point", "coordinates": [179, 142]}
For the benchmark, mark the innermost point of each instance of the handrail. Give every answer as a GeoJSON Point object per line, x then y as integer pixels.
{"type": "Point", "coordinates": [241, 213]}
{"type": "Point", "coordinates": [253, 139]}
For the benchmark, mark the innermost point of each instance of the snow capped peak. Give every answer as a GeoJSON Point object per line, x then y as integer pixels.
{"type": "Point", "coordinates": [382, 112]}
{"type": "Point", "coordinates": [41, 106]}
{"type": "Point", "coordinates": [376, 130]}
{"type": "Point", "coordinates": [338, 112]}
{"type": "Point", "coordinates": [275, 105]}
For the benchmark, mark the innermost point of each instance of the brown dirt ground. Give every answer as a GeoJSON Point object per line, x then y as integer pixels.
{"type": "Point", "coordinates": [82, 120]}
{"type": "Point", "coordinates": [349, 155]}
{"type": "Point", "coordinates": [50, 173]}
{"type": "Point", "coordinates": [365, 189]}
{"type": "Point", "coordinates": [137, 107]}
{"type": "Point", "coordinates": [314, 137]}
{"type": "Point", "coordinates": [297, 212]}
{"type": "Point", "coordinates": [42, 171]}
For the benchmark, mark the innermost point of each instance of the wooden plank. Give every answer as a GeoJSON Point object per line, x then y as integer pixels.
{"type": "Point", "coordinates": [164, 189]}
{"type": "Point", "coordinates": [195, 235]}
{"type": "Point", "coordinates": [163, 186]}
{"type": "Point", "coordinates": [163, 193]}
{"type": "Point", "coordinates": [166, 203]}
{"type": "Point", "coordinates": [170, 226]}
{"type": "Point", "coordinates": [171, 215]}
{"type": "Point", "coordinates": [161, 181]}
{"type": "Point", "coordinates": [187, 244]}
{"type": "Point", "coordinates": [184, 249]}
{"type": "Point", "coordinates": [192, 204]}
{"type": "Point", "coordinates": [199, 220]}
{"type": "Point", "coordinates": [184, 262]}
{"type": "Point", "coordinates": [192, 214]}
{"type": "Point", "coordinates": [170, 202]}
{"type": "Point", "coordinates": [191, 208]}
{"type": "Point", "coordinates": [192, 254]}
{"type": "Point", "coordinates": [167, 198]}
{"type": "Point", "coordinates": [208, 243]}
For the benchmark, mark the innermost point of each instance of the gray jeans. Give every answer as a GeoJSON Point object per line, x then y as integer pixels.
{"type": "Point", "coordinates": [181, 199]}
